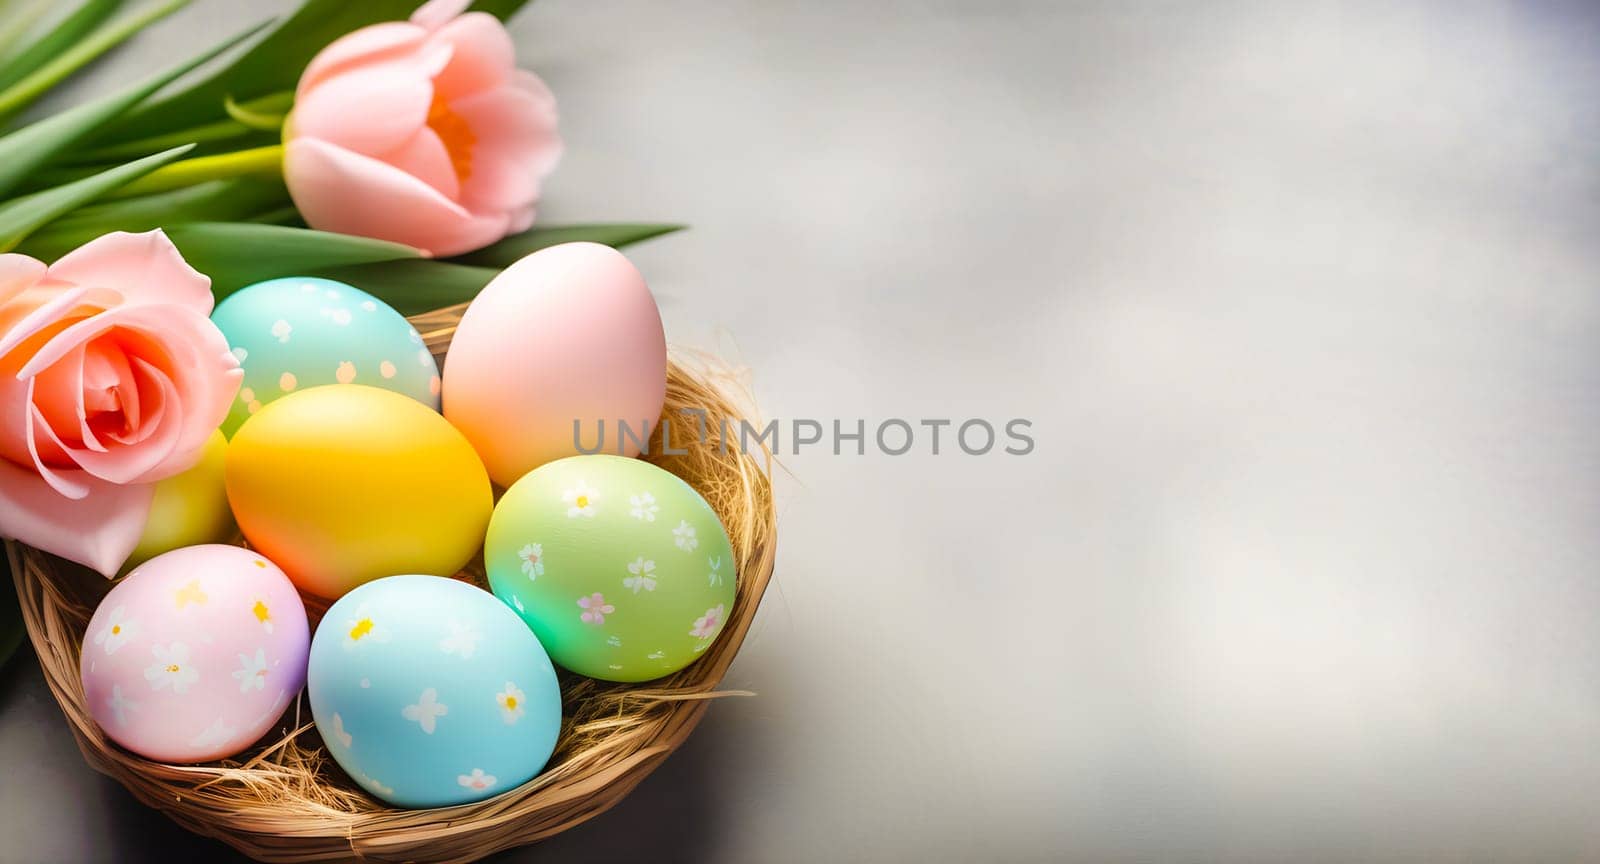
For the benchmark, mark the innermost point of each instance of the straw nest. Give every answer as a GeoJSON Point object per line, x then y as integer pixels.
{"type": "Point", "coordinates": [286, 800]}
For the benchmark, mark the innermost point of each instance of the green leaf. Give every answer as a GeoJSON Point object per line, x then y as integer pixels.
{"type": "Point", "coordinates": [17, 24]}
{"type": "Point", "coordinates": [510, 250]}
{"type": "Point", "coordinates": [274, 64]}
{"type": "Point", "coordinates": [71, 57]}
{"type": "Point", "coordinates": [236, 254]}
{"type": "Point", "coordinates": [20, 216]}
{"type": "Point", "coordinates": [205, 134]}
{"type": "Point", "coordinates": [415, 286]}
{"type": "Point", "coordinates": [23, 151]}
{"type": "Point", "coordinates": [63, 36]}
{"type": "Point", "coordinates": [216, 201]}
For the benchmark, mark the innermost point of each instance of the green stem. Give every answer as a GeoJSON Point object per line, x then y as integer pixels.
{"type": "Point", "coordinates": [261, 161]}
{"type": "Point", "coordinates": [39, 82]}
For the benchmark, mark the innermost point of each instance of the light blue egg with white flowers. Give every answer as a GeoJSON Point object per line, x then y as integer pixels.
{"type": "Point", "coordinates": [430, 692]}
{"type": "Point", "coordinates": [301, 331]}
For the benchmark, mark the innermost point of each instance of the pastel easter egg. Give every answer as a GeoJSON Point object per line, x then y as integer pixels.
{"type": "Point", "coordinates": [622, 570]}
{"type": "Point", "coordinates": [344, 484]}
{"type": "Point", "coordinates": [568, 335]}
{"type": "Point", "coordinates": [429, 692]}
{"type": "Point", "coordinates": [189, 509]}
{"type": "Point", "coordinates": [300, 332]}
{"type": "Point", "coordinates": [195, 654]}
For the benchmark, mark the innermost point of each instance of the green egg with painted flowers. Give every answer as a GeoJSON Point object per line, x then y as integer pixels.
{"type": "Point", "coordinates": [622, 570]}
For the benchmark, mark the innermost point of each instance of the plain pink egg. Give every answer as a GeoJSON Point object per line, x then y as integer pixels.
{"type": "Point", "coordinates": [195, 654]}
{"type": "Point", "coordinates": [569, 334]}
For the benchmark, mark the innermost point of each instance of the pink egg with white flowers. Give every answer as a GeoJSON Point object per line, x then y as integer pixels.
{"type": "Point", "coordinates": [194, 655]}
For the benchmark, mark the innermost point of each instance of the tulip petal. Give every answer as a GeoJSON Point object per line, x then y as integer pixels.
{"type": "Point", "coordinates": [521, 220]}
{"type": "Point", "coordinates": [371, 110]}
{"type": "Point", "coordinates": [483, 57]}
{"type": "Point", "coordinates": [18, 273]}
{"type": "Point", "coordinates": [511, 123]}
{"type": "Point", "coordinates": [347, 193]}
{"type": "Point", "coordinates": [382, 42]}
{"type": "Point", "coordinates": [426, 158]}
{"type": "Point", "coordinates": [437, 13]}
{"type": "Point", "coordinates": [143, 268]}
{"type": "Point", "coordinates": [98, 530]}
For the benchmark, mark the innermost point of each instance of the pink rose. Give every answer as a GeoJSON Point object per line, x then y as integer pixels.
{"type": "Point", "coordinates": [421, 132]}
{"type": "Point", "coordinates": [111, 377]}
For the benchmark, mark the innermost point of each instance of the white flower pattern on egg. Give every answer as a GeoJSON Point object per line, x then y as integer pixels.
{"type": "Point", "coordinates": [644, 506]}
{"type": "Point", "coordinates": [683, 537]}
{"type": "Point", "coordinates": [120, 705]}
{"type": "Point", "coordinates": [344, 738]}
{"type": "Point", "coordinates": [218, 733]}
{"type": "Point", "coordinates": [171, 668]}
{"type": "Point", "coordinates": [643, 578]}
{"type": "Point", "coordinates": [281, 331]}
{"type": "Point", "coordinates": [462, 641]}
{"type": "Point", "coordinates": [477, 779]}
{"type": "Point", "coordinates": [580, 501]}
{"type": "Point", "coordinates": [715, 578]}
{"type": "Point", "coordinates": [252, 671]}
{"type": "Point", "coordinates": [532, 556]}
{"type": "Point", "coordinates": [117, 631]}
{"type": "Point", "coordinates": [426, 711]}
{"type": "Point", "coordinates": [511, 700]}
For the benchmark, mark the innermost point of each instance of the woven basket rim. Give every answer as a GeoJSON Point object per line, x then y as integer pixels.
{"type": "Point", "coordinates": [653, 718]}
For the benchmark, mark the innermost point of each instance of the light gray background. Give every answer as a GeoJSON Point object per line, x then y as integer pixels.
{"type": "Point", "coordinates": [1302, 299]}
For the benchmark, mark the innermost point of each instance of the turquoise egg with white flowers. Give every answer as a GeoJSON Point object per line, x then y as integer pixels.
{"type": "Point", "coordinates": [429, 692]}
{"type": "Point", "coordinates": [301, 331]}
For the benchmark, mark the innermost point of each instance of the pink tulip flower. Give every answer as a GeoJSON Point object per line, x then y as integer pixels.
{"type": "Point", "coordinates": [112, 377]}
{"type": "Point", "coordinates": [421, 132]}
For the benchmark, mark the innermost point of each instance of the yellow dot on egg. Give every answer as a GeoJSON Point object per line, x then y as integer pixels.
{"type": "Point", "coordinates": [287, 382]}
{"type": "Point", "coordinates": [261, 564]}
{"type": "Point", "coordinates": [246, 395]}
{"type": "Point", "coordinates": [386, 369]}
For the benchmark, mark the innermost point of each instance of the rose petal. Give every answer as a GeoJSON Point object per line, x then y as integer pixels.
{"type": "Point", "coordinates": [98, 530]}
{"type": "Point", "coordinates": [436, 13]}
{"type": "Point", "coordinates": [42, 317]}
{"type": "Point", "coordinates": [18, 273]}
{"type": "Point", "coordinates": [66, 482]}
{"type": "Point", "coordinates": [154, 454]}
{"type": "Point", "coordinates": [371, 110]}
{"type": "Point", "coordinates": [143, 268]}
{"type": "Point", "coordinates": [59, 398]}
{"type": "Point", "coordinates": [389, 40]}
{"type": "Point", "coordinates": [483, 56]}
{"type": "Point", "coordinates": [347, 193]}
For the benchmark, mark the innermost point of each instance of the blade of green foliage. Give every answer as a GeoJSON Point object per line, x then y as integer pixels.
{"type": "Point", "coordinates": [415, 286]}
{"type": "Point", "coordinates": [72, 57]}
{"type": "Point", "coordinates": [68, 32]}
{"type": "Point", "coordinates": [236, 254]}
{"type": "Point", "coordinates": [17, 21]}
{"type": "Point", "coordinates": [24, 150]}
{"type": "Point", "coordinates": [215, 201]}
{"type": "Point", "coordinates": [20, 216]}
{"type": "Point", "coordinates": [204, 134]}
{"type": "Point", "coordinates": [274, 64]}
{"type": "Point", "coordinates": [510, 250]}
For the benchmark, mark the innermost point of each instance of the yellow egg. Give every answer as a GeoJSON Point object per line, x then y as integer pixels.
{"type": "Point", "coordinates": [343, 484]}
{"type": "Point", "coordinates": [189, 509]}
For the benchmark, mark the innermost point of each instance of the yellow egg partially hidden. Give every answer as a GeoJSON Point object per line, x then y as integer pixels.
{"type": "Point", "coordinates": [343, 484]}
{"type": "Point", "coordinates": [189, 509]}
